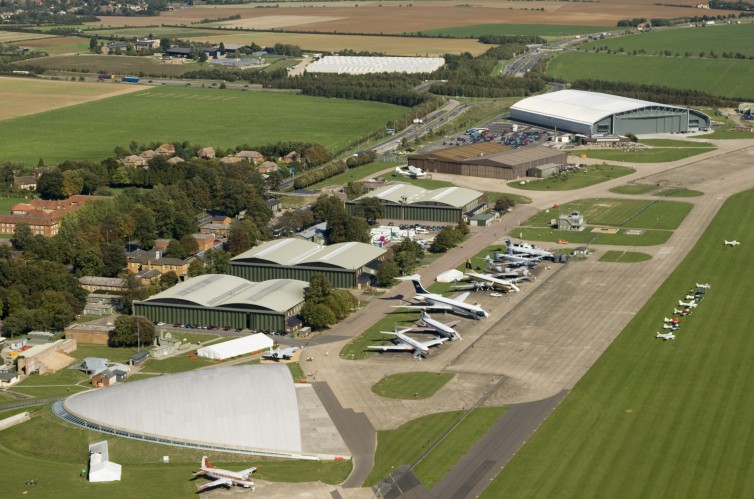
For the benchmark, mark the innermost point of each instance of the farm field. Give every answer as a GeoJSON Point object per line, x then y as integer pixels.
{"type": "Point", "coordinates": [649, 411]}
{"type": "Point", "coordinates": [59, 45]}
{"type": "Point", "coordinates": [719, 38]}
{"type": "Point", "coordinates": [25, 96]}
{"type": "Point", "coordinates": [14, 36]}
{"type": "Point", "coordinates": [115, 64]}
{"type": "Point", "coordinates": [724, 77]}
{"type": "Point", "coordinates": [543, 30]}
{"type": "Point", "coordinates": [201, 116]}
{"type": "Point", "coordinates": [585, 177]}
{"type": "Point", "coordinates": [398, 17]}
{"type": "Point", "coordinates": [57, 458]}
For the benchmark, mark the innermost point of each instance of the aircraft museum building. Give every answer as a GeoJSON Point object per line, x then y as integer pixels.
{"type": "Point", "coordinates": [402, 201]}
{"type": "Point", "coordinates": [344, 264]}
{"type": "Point", "coordinates": [224, 300]}
{"type": "Point", "coordinates": [594, 114]}
{"type": "Point", "coordinates": [487, 160]}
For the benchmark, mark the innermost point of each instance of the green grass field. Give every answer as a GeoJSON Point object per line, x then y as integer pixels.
{"type": "Point", "coordinates": [654, 155]}
{"type": "Point", "coordinates": [634, 213]}
{"type": "Point", "coordinates": [648, 238]}
{"type": "Point", "coordinates": [405, 444]}
{"type": "Point", "coordinates": [655, 419]}
{"type": "Point", "coordinates": [186, 361]}
{"type": "Point", "coordinates": [634, 189]}
{"type": "Point", "coordinates": [456, 444]}
{"type": "Point", "coordinates": [411, 385]}
{"type": "Point", "coordinates": [545, 30]}
{"type": "Point", "coordinates": [7, 203]}
{"type": "Point", "coordinates": [54, 453]}
{"type": "Point", "coordinates": [421, 182]}
{"type": "Point", "coordinates": [585, 177]}
{"type": "Point", "coordinates": [725, 77]}
{"type": "Point", "coordinates": [721, 38]}
{"type": "Point", "coordinates": [355, 174]}
{"type": "Point", "coordinates": [625, 257]}
{"type": "Point", "coordinates": [120, 65]}
{"type": "Point", "coordinates": [680, 193]}
{"type": "Point", "coordinates": [517, 198]}
{"type": "Point", "coordinates": [674, 143]}
{"type": "Point", "coordinates": [214, 117]}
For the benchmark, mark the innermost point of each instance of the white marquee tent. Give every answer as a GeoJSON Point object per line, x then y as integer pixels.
{"type": "Point", "coordinates": [233, 348]}
{"type": "Point", "coordinates": [100, 468]}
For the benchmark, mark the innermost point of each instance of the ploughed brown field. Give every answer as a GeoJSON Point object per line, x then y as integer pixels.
{"type": "Point", "coordinates": [24, 96]}
{"type": "Point", "coordinates": [394, 17]}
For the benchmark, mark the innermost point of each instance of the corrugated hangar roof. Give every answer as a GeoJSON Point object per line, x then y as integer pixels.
{"type": "Point", "coordinates": [465, 151]}
{"type": "Point", "coordinates": [248, 407]}
{"type": "Point", "coordinates": [457, 197]}
{"type": "Point", "coordinates": [580, 106]}
{"type": "Point", "coordinates": [220, 290]}
{"type": "Point", "coordinates": [296, 251]}
{"type": "Point", "coordinates": [519, 156]}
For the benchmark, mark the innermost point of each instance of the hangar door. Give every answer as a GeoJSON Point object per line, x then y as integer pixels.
{"type": "Point", "coordinates": [649, 124]}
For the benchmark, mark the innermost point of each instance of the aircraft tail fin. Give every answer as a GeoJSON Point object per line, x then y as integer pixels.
{"type": "Point", "coordinates": [508, 248]}
{"type": "Point", "coordinates": [416, 281]}
{"type": "Point", "coordinates": [206, 463]}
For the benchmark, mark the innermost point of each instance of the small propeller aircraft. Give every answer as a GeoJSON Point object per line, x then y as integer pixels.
{"type": "Point", "coordinates": [731, 243]}
{"type": "Point", "coordinates": [224, 477]}
{"type": "Point", "coordinates": [665, 336]}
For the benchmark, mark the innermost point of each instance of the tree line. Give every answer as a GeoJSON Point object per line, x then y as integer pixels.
{"type": "Point", "coordinates": [655, 93]}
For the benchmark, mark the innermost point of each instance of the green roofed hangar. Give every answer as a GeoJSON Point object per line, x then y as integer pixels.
{"type": "Point", "coordinates": [227, 301]}
{"type": "Point", "coordinates": [344, 264]}
{"type": "Point", "coordinates": [409, 202]}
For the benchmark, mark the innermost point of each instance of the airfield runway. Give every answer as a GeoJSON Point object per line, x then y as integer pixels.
{"type": "Point", "coordinates": [542, 342]}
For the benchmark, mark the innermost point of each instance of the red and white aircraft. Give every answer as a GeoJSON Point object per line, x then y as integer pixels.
{"type": "Point", "coordinates": [224, 477]}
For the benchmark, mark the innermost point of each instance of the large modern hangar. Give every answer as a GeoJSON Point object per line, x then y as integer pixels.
{"type": "Point", "coordinates": [224, 300]}
{"type": "Point", "coordinates": [487, 160]}
{"type": "Point", "coordinates": [402, 201]}
{"type": "Point", "coordinates": [592, 113]}
{"type": "Point", "coordinates": [252, 409]}
{"type": "Point", "coordinates": [293, 258]}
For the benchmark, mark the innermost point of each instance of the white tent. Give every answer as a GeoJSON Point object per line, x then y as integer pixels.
{"type": "Point", "coordinates": [451, 275]}
{"type": "Point", "coordinates": [100, 469]}
{"type": "Point", "coordinates": [233, 348]}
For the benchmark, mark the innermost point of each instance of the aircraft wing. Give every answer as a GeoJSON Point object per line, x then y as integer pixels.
{"type": "Point", "coordinates": [462, 297]}
{"type": "Point", "coordinates": [427, 307]}
{"type": "Point", "coordinates": [220, 481]}
{"type": "Point", "coordinates": [431, 343]}
{"type": "Point", "coordinates": [387, 348]}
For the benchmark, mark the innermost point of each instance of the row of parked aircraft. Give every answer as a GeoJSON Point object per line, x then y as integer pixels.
{"type": "Point", "coordinates": [674, 323]}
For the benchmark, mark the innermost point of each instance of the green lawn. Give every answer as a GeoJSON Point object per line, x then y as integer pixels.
{"type": "Point", "coordinates": [658, 419]}
{"type": "Point", "coordinates": [674, 143]}
{"type": "Point", "coordinates": [456, 444]}
{"type": "Point", "coordinates": [421, 182]}
{"type": "Point", "coordinates": [648, 238]}
{"type": "Point", "coordinates": [6, 203]}
{"type": "Point", "coordinates": [585, 177]}
{"type": "Point", "coordinates": [653, 155]}
{"type": "Point", "coordinates": [296, 371]}
{"type": "Point", "coordinates": [625, 257]}
{"type": "Point", "coordinates": [405, 444]}
{"type": "Point", "coordinates": [411, 385]}
{"type": "Point", "coordinates": [634, 189]}
{"type": "Point", "coordinates": [185, 361]}
{"type": "Point", "coordinates": [725, 77]}
{"type": "Point", "coordinates": [222, 118]}
{"type": "Point", "coordinates": [722, 38]}
{"type": "Point", "coordinates": [355, 174]}
{"type": "Point", "coordinates": [477, 30]}
{"type": "Point", "coordinates": [356, 349]}
{"type": "Point", "coordinates": [54, 453]}
{"type": "Point", "coordinates": [635, 213]}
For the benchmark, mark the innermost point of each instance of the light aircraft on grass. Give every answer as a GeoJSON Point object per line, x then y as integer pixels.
{"type": "Point", "coordinates": [405, 343]}
{"type": "Point", "coordinates": [674, 327]}
{"type": "Point", "coordinates": [526, 249]}
{"type": "Point", "coordinates": [665, 336]}
{"type": "Point", "coordinates": [433, 301]}
{"type": "Point", "coordinates": [691, 304]}
{"type": "Point", "coordinates": [706, 285]}
{"type": "Point", "coordinates": [224, 477]}
{"type": "Point", "coordinates": [685, 311]}
{"type": "Point", "coordinates": [731, 243]}
{"type": "Point", "coordinates": [672, 320]}
{"type": "Point", "coordinates": [280, 354]}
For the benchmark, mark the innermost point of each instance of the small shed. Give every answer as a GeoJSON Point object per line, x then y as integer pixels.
{"type": "Point", "coordinates": [104, 379]}
{"type": "Point", "coordinates": [138, 358]}
{"type": "Point", "coordinates": [8, 378]}
{"type": "Point", "coordinates": [543, 171]}
{"type": "Point", "coordinates": [580, 251]}
{"type": "Point", "coordinates": [92, 365]}
{"type": "Point", "coordinates": [483, 219]}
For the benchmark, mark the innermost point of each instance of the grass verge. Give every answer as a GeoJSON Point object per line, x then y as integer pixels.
{"type": "Point", "coordinates": [625, 256]}
{"type": "Point", "coordinates": [653, 155]}
{"type": "Point", "coordinates": [411, 385]}
{"type": "Point", "coordinates": [584, 177]}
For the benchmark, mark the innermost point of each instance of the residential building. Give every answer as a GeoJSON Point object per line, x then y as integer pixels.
{"type": "Point", "coordinates": [42, 216]}
{"type": "Point", "coordinates": [206, 153]}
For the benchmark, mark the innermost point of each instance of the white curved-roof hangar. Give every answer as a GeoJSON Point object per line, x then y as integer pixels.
{"type": "Point", "coordinates": [221, 290]}
{"type": "Point", "coordinates": [295, 252]}
{"type": "Point", "coordinates": [250, 407]}
{"type": "Point", "coordinates": [591, 113]}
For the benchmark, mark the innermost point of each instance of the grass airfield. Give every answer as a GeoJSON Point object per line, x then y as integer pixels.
{"type": "Point", "coordinates": [657, 418]}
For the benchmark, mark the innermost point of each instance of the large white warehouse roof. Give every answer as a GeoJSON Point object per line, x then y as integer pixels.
{"type": "Point", "coordinates": [294, 251]}
{"type": "Point", "coordinates": [365, 65]}
{"type": "Point", "coordinates": [579, 106]}
{"type": "Point", "coordinates": [246, 407]}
